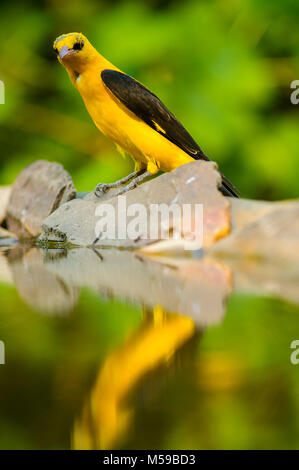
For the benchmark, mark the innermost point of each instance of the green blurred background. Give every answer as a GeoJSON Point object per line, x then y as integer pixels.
{"type": "Point", "coordinates": [223, 67]}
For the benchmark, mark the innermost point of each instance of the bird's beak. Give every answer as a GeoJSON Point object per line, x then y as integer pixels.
{"type": "Point", "coordinates": [64, 52]}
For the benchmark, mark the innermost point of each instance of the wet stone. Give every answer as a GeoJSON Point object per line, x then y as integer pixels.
{"type": "Point", "coordinates": [37, 192]}
{"type": "Point", "coordinates": [194, 183]}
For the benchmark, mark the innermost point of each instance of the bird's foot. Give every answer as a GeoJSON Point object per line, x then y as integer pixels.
{"type": "Point", "coordinates": [103, 188]}
{"type": "Point", "coordinates": [127, 188]}
{"type": "Point", "coordinates": [134, 183]}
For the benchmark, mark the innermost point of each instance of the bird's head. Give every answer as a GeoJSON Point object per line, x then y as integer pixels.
{"type": "Point", "coordinates": [73, 50]}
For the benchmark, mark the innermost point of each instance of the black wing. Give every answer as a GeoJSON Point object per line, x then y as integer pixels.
{"type": "Point", "coordinates": [147, 106]}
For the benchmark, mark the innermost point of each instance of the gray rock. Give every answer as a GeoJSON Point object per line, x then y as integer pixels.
{"type": "Point", "coordinates": [196, 182]}
{"type": "Point", "coordinates": [37, 191]}
{"type": "Point", "coordinates": [5, 192]}
{"type": "Point", "coordinates": [265, 231]}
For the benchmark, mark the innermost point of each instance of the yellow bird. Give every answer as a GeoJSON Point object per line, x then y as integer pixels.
{"type": "Point", "coordinates": [129, 114]}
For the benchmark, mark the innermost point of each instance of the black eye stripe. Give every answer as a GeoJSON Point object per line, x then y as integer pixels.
{"type": "Point", "coordinates": [78, 46]}
{"type": "Point", "coordinates": [56, 50]}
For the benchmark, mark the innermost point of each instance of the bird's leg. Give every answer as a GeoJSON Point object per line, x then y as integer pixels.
{"type": "Point", "coordinates": [103, 188]}
{"type": "Point", "coordinates": [134, 183]}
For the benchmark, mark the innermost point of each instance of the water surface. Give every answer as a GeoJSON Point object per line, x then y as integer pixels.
{"type": "Point", "coordinates": [112, 349]}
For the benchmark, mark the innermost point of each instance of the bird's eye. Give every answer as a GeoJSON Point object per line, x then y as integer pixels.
{"type": "Point", "coordinates": [78, 46]}
{"type": "Point", "coordinates": [56, 51]}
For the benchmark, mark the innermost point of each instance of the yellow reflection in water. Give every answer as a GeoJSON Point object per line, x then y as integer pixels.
{"type": "Point", "coordinates": [106, 415]}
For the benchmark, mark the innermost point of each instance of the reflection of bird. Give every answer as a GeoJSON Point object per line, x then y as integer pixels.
{"type": "Point", "coordinates": [107, 413]}
{"type": "Point", "coordinates": [128, 113]}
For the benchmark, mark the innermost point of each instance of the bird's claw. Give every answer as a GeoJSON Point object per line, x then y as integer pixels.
{"type": "Point", "coordinates": [102, 189]}
{"type": "Point", "coordinates": [127, 188]}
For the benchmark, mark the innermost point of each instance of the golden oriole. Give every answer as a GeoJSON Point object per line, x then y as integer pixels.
{"type": "Point", "coordinates": [128, 113]}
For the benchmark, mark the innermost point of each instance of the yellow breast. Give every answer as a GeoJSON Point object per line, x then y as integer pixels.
{"type": "Point", "coordinates": [144, 144]}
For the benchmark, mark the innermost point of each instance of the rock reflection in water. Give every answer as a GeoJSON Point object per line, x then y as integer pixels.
{"type": "Point", "coordinates": [38, 286]}
{"type": "Point", "coordinates": [179, 297]}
